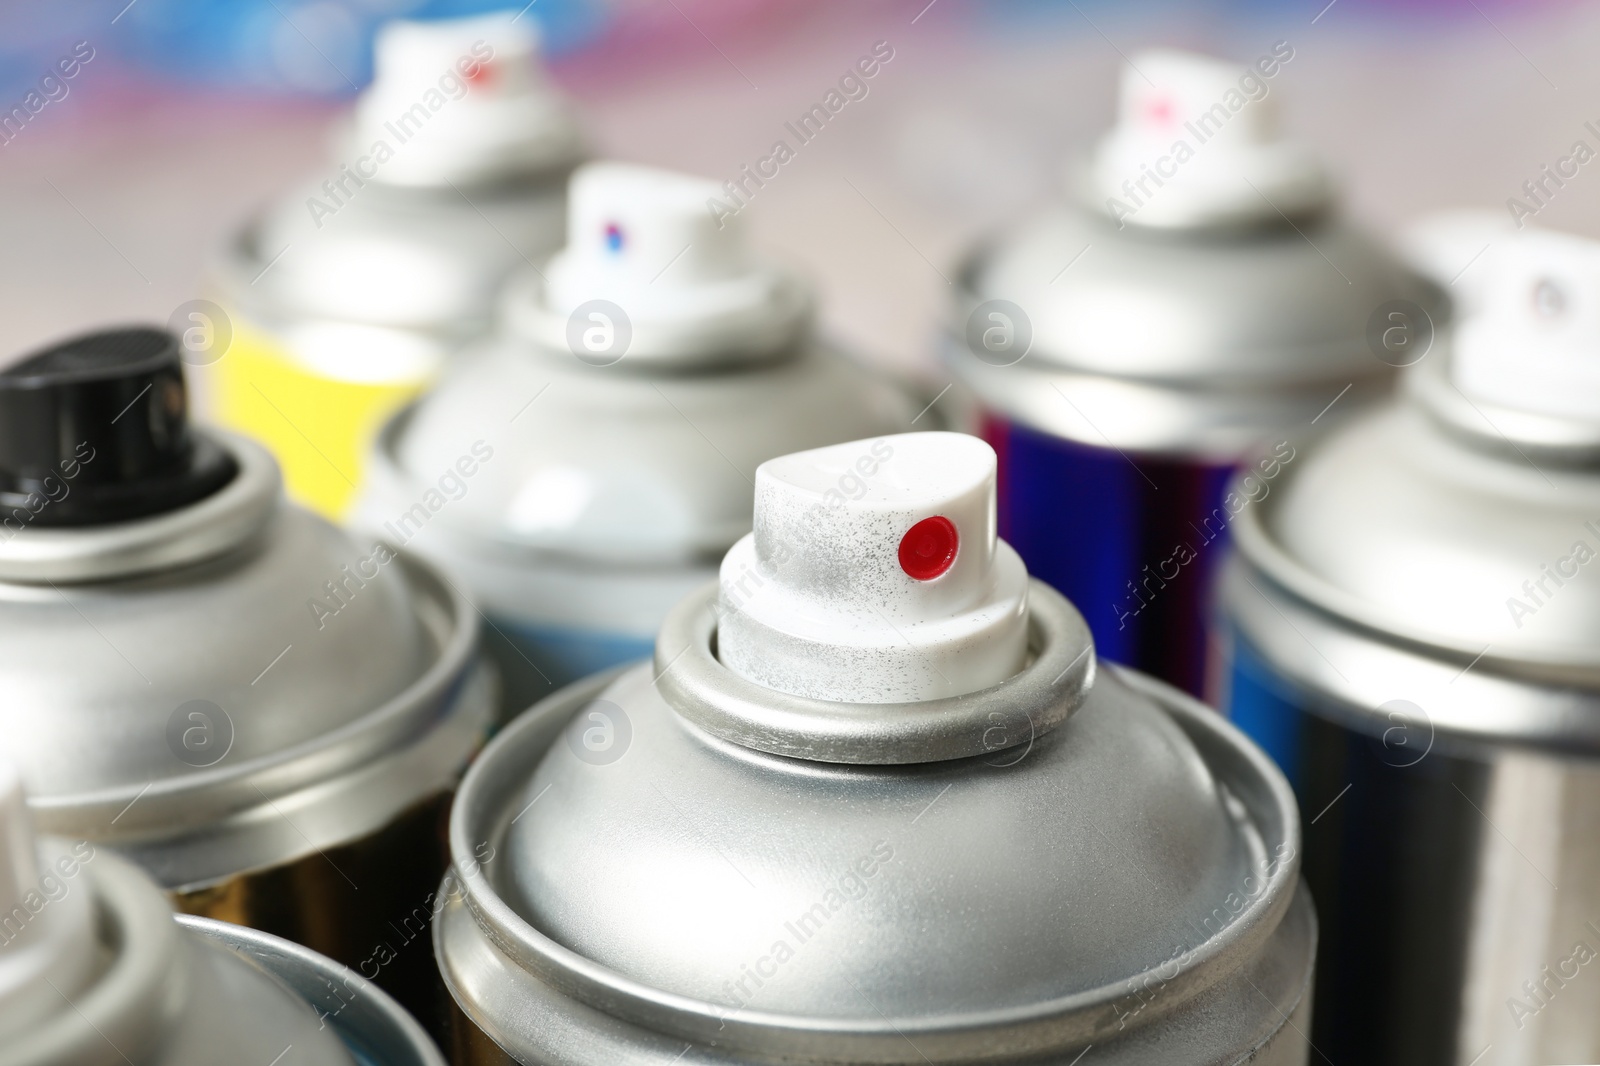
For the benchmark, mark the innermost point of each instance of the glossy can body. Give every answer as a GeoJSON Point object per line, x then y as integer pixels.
{"type": "Point", "coordinates": [1139, 379]}
{"type": "Point", "coordinates": [361, 314]}
{"type": "Point", "coordinates": [271, 747]}
{"type": "Point", "coordinates": [1158, 535]}
{"type": "Point", "coordinates": [1442, 743]}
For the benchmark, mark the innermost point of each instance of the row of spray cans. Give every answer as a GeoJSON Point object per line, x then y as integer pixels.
{"type": "Point", "coordinates": [877, 796]}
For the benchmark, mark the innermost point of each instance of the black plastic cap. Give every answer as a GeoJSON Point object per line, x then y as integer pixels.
{"type": "Point", "coordinates": [96, 429]}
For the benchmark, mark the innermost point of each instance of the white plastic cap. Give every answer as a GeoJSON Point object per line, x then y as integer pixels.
{"type": "Point", "coordinates": [19, 859]}
{"type": "Point", "coordinates": [461, 100]}
{"type": "Point", "coordinates": [649, 242]}
{"type": "Point", "coordinates": [1197, 143]}
{"type": "Point", "coordinates": [1534, 344]}
{"type": "Point", "coordinates": [47, 927]}
{"type": "Point", "coordinates": [874, 574]}
{"type": "Point", "coordinates": [1456, 250]}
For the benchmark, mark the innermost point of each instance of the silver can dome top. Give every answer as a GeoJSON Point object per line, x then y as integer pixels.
{"type": "Point", "coordinates": [172, 679]}
{"type": "Point", "coordinates": [637, 381]}
{"type": "Point", "coordinates": [95, 970]}
{"type": "Point", "coordinates": [979, 855]}
{"type": "Point", "coordinates": [448, 174]}
{"type": "Point", "coordinates": [1463, 520]}
{"type": "Point", "coordinates": [1201, 287]}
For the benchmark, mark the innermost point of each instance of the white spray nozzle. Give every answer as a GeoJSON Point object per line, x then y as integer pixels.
{"type": "Point", "coordinates": [461, 100]}
{"type": "Point", "coordinates": [47, 925]}
{"type": "Point", "coordinates": [647, 242]}
{"type": "Point", "coordinates": [1455, 249]}
{"type": "Point", "coordinates": [1534, 341]}
{"type": "Point", "coordinates": [1197, 142]}
{"type": "Point", "coordinates": [19, 857]}
{"type": "Point", "coordinates": [874, 574]}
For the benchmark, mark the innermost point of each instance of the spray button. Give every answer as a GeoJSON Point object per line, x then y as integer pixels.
{"type": "Point", "coordinates": [1533, 343]}
{"type": "Point", "coordinates": [874, 574]}
{"type": "Point", "coordinates": [1197, 142]}
{"type": "Point", "coordinates": [643, 249]}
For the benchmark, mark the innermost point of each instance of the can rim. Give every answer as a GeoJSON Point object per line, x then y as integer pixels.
{"type": "Point", "coordinates": [369, 1020]}
{"type": "Point", "coordinates": [1044, 694]}
{"type": "Point", "coordinates": [581, 985]}
{"type": "Point", "coordinates": [1490, 426]}
{"type": "Point", "coordinates": [358, 775]}
{"type": "Point", "coordinates": [201, 530]}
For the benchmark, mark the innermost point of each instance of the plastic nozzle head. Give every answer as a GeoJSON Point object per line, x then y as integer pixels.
{"type": "Point", "coordinates": [461, 100]}
{"type": "Point", "coordinates": [874, 574]}
{"type": "Point", "coordinates": [652, 244]}
{"type": "Point", "coordinates": [1197, 143]}
{"type": "Point", "coordinates": [48, 940]}
{"type": "Point", "coordinates": [1534, 341]}
{"type": "Point", "coordinates": [19, 854]}
{"type": "Point", "coordinates": [96, 429]}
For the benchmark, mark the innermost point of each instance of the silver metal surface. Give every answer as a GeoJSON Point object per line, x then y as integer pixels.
{"type": "Point", "coordinates": [1024, 708]}
{"type": "Point", "coordinates": [1455, 874]}
{"type": "Point", "coordinates": [166, 996]}
{"type": "Point", "coordinates": [1193, 341]}
{"type": "Point", "coordinates": [1509, 431]}
{"type": "Point", "coordinates": [1424, 536]}
{"type": "Point", "coordinates": [665, 457]}
{"type": "Point", "coordinates": [613, 490]}
{"type": "Point", "coordinates": [1127, 879]}
{"type": "Point", "coordinates": [428, 259]}
{"type": "Point", "coordinates": [362, 1015]}
{"type": "Point", "coordinates": [322, 728]}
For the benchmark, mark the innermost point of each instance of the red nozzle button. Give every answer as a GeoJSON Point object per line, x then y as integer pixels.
{"type": "Point", "coordinates": [929, 548]}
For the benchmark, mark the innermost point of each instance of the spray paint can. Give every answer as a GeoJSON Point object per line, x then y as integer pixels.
{"type": "Point", "coordinates": [346, 298]}
{"type": "Point", "coordinates": [877, 803]}
{"type": "Point", "coordinates": [1414, 612]}
{"type": "Point", "coordinates": [94, 969]}
{"type": "Point", "coordinates": [267, 715]}
{"type": "Point", "coordinates": [1127, 351]}
{"type": "Point", "coordinates": [586, 469]}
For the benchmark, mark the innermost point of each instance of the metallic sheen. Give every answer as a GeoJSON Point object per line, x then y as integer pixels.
{"type": "Point", "coordinates": [1127, 879]}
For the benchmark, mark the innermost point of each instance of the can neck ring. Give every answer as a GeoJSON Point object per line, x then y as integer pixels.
{"type": "Point", "coordinates": [1045, 693]}
{"type": "Point", "coordinates": [209, 527]}
{"type": "Point", "coordinates": [1520, 435]}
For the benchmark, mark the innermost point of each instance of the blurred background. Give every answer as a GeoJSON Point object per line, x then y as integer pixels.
{"type": "Point", "coordinates": [192, 114]}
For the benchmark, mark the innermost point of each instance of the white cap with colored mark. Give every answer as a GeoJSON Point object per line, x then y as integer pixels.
{"type": "Point", "coordinates": [1533, 343]}
{"type": "Point", "coordinates": [692, 292]}
{"type": "Point", "coordinates": [463, 101]}
{"type": "Point", "coordinates": [1197, 143]}
{"type": "Point", "coordinates": [874, 574]}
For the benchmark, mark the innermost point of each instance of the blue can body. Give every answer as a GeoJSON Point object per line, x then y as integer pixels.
{"type": "Point", "coordinates": [535, 660]}
{"type": "Point", "coordinates": [1391, 819]}
{"type": "Point", "coordinates": [1133, 540]}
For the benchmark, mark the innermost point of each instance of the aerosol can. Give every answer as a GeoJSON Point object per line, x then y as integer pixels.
{"type": "Point", "coordinates": [344, 300]}
{"type": "Point", "coordinates": [95, 971]}
{"type": "Point", "coordinates": [875, 801]}
{"type": "Point", "coordinates": [587, 468]}
{"type": "Point", "coordinates": [1202, 297]}
{"type": "Point", "coordinates": [267, 715]}
{"type": "Point", "coordinates": [1416, 611]}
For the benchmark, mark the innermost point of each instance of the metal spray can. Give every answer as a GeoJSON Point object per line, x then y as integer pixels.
{"type": "Point", "coordinates": [346, 298]}
{"type": "Point", "coordinates": [266, 714]}
{"type": "Point", "coordinates": [95, 971]}
{"type": "Point", "coordinates": [1415, 610]}
{"type": "Point", "coordinates": [1128, 350]}
{"type": "Point", "coordinates": [585, 469]}
{"type": "Point", "coordinates": [875, 801]}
